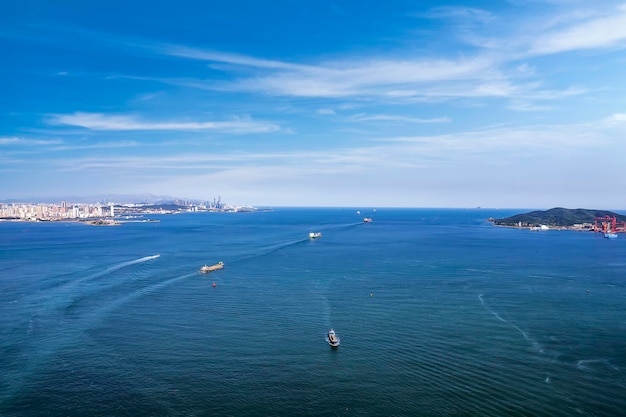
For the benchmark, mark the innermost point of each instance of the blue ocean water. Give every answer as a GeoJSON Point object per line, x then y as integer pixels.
{"type": "Point", "coordinates": [439, 313]}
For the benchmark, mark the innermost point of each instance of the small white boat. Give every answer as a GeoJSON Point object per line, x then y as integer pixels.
{"type": "Point", "coordinates": [367, 220]}
{"type": "Point", "coordinates": [332, 338]}
{"type": "Point", "coordinates": [315, 235]}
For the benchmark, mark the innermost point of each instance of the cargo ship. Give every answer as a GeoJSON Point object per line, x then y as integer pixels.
{"type": "Point", "coordinates": [206, 268]}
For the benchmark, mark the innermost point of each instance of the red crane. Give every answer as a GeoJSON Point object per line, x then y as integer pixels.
{"type": "Point", "coordinates": [609, 224]}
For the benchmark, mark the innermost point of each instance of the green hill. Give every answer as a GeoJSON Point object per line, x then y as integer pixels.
{"type": "Point", "coordinates": [556, 217]}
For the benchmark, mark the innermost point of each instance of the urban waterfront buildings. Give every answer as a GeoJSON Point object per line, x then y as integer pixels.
{"type": "Point", "coordinates": [78, 211]}
{"type": "Point", "coordinates": [64, 211]}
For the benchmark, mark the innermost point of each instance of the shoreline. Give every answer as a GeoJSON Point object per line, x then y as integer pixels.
{"type": "Point", "coordinates": [546, 228]}
{"type": "Point", "coordinates": [91, 222]}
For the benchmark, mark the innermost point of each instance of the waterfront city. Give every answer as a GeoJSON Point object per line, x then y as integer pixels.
{"type": "Point", "coordinates": [86, 211]}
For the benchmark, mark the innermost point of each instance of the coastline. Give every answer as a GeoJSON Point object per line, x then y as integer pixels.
{"type": "Point", "coordinates": [91, 222]}
{"type": "Point", "coordinates": [547, 228]}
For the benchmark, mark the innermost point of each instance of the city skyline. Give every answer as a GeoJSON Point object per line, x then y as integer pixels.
{"type": "Point", "coordinates": [515, 104]}
{"type": "Point", "coordinates": [67, 210]}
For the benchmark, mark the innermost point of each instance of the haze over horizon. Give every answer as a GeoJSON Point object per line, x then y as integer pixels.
{"type": "Point", "coordinates": [299, 103]}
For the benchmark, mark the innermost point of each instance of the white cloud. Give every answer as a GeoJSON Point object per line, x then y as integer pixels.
{"type": "Point", "coordinates": [468, 14]}
{"type": "Point", "coordinates": [617, 118]}
{"type": "Point", "coordinates": [228, 58]}
{"type": "Point", "coordinates": [347, 77]}
{"type": "Point", "coordinates": [10, 141]}
{"type": "Point", "coordinates": [597, 32]}
{"type": "Point", "coordinates": [401, 152]}
{"type": "Point", "coordinates": [519, 105]}
{"type": "Point", "coordinates": [491, 70]}
{"type": "Point", "coordinates": [27, 142]}
{"type": "Point", "coordinates": [99, 121]}
{"type": "Point", "coordinates": [509, 141]}
{"type": "Point", "coordinates": [366, 77]}
{"type": "Point", "coordinates": [396, 118]}
{"type": "Point", "coordinates": [102, 145]}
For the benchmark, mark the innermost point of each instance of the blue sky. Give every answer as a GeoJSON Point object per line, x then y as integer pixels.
{"type": "Point", "coordinates": [518, 103]}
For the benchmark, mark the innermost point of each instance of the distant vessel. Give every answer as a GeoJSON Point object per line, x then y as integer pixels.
{"type": "Point", "coordinates": [314, 235]}
{"type": "Point", "coordinates": [206, 268]}
{"type": "Point", "coordinates": [367, 220]}
{"type": "Point", "coordinates": [332, 338]}
{"type": "Point", "coordinates": [610, 235]}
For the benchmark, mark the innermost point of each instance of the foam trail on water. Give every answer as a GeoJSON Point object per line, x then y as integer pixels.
{"type": "Point", "coordinates": [583, 364]}
{"type": "Point", "coordinates": [272, 249]}
{"type": "Point", "coordinates": [113, 268]}
{"type": "Point", "coordinates": [320, 290]}
{"type": "Point", "coordinates": [70, 284]}
{"type": "Point", "coordinates": [48, 343]}
{"type": "Point", "coordinates": [141, 292]}
{"type": "Point", "coordinates": [535, 344]}
{"type": "Point", "coordinates": [345, 226]}
{"type": "Point", "coordinates": [66, 295]}
{"type": "Point", "coordinates": [279, 246]}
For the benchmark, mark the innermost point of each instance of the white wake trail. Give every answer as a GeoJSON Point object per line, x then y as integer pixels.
{"type": "Point", "coordinates": [535, 344]}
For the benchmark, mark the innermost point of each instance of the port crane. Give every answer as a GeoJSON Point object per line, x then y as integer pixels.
{"type": "Point", "coordinates": [608, 224]}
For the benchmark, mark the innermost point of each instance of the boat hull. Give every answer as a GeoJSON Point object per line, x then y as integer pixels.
{"type": "Point", "coordinates": [332, 339]}
{"type": "Point", "coordinates": [206, 269]}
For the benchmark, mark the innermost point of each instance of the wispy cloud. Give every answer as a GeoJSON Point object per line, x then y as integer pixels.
{"type": "Point", "coordinates": [396, 118]}
{"type": "Point", "coordinates": [526, 106]}
{"type": "Point", "coordinates": [374, 77]}
{"type": "Point", "coordinates": [385, 152]}
{"type": "Point", "coordinates": [608, 30]}
{"type": "Point", "coordinates": [485, 73]}
{"type": "Point", "coordinates": [493, 69]}
{"type": "Point", "coordinates": [352, 76]}
{"type": "Point", "coordinates": [10, 141]}
{"type": "Point", "coordinates": [617, 118]}
{"type": "Point", "coordinates": [100, 121]}
{"type": "Point", "coordinates": [511, 141]}
{"type": "Point", "coordinates": [223, 57]}
{"type": "Point", "coordinates": [101, 145]}
{"type": "Point", "coordinates": [13, 141]}
{"type": "Point", "coordinates": [467, 14]}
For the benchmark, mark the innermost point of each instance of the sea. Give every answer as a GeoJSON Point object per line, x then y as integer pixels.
{"type": "Point", "coordinates": [439, 313]}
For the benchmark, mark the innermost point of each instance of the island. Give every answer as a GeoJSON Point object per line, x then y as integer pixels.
{"type": "Point", "coordinates": [104, 222]}
{"type": "Point", "coordinates": [563, 218]}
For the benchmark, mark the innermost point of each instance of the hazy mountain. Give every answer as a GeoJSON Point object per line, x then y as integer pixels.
{"type": "Point", "coordinates": [102, 198]}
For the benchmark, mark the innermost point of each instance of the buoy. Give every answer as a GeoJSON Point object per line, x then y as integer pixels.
{"type": "Point", "coordinates": [214, 284]}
